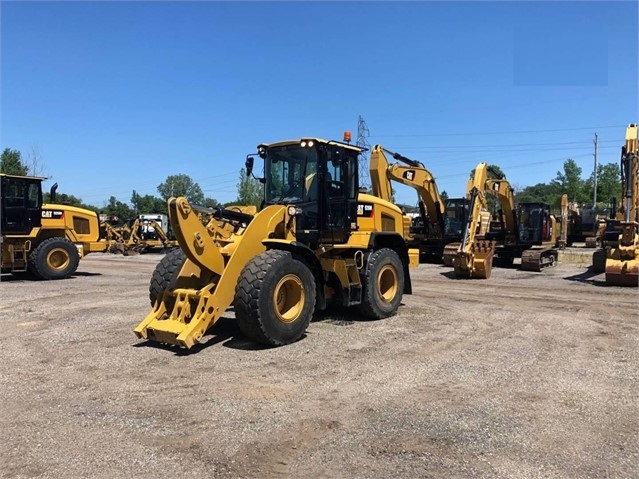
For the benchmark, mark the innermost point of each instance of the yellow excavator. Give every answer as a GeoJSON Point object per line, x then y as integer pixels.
{"type": "Point", "coordinates": [440, 220]}
{"type": "Point", "coordinates": [621, 239]}
{"type": "Point", "coordinates": [316, 239]}
{"type": "Point", "coordinates": [474, 256]}
{"type": "Point", "coordinates": [526, 230]}
{"type": "Point", "coordinates": [46, 240]}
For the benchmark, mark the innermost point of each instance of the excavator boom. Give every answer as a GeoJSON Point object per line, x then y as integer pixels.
{"type": "Point", "coordinates": [622, 262]}
{"type": "Point", "coordinates": [475, 253]}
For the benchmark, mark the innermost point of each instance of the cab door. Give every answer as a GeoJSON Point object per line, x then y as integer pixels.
{"type": "Point", "coordinates": [340, 196]}
{"type": "Point", "coordinates": [21, 208]}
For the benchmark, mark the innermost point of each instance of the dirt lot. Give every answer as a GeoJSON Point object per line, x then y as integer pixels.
{"type": "Point", "coordinates": [531, 375]}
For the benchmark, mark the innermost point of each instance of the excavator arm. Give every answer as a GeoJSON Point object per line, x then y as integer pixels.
{"type": "Point", "coordinates": [622, 262]}
{"type": "Point", "coordinates": [506, 196]}
{"type": "Point", "coordinates": [474, 255]}
{"type": "Point", "coordinates": [410, 173]}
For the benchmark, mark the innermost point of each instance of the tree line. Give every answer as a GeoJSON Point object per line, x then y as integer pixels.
{"type": "Point", "coordinates": [249, 190]}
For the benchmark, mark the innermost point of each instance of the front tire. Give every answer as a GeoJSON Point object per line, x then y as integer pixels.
{"type": "Point", "coordinates": [382, 284]}
{"type": "Point", "coordinates": [54, 258]}
{"type": "Point", "coordinates": [275, 298]}
{"type": "Point", "coordinates": [166, 273]}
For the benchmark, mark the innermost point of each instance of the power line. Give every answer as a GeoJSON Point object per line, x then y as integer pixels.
{"type": "Point", "coordinates": [501, 145]}
{"type": "Point", "coordinates": [505, 132]}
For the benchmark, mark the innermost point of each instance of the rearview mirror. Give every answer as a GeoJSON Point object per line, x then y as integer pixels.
{"type": "Point", "coordinates": [249, 165]}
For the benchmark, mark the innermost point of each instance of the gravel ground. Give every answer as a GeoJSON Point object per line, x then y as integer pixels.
{"type": "Point", "coordinates": [524, 375]}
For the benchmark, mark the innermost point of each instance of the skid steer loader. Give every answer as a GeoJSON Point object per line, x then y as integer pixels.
{"type": "Point", "coordinates": [316, 239]}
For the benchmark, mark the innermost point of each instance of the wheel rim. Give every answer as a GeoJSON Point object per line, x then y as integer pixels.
{"type": "Point", "coordinates": [58, 259]}
{"type": "Point", "coordinates": [387, 283]}
{"type": "Point", "coordinates": [288, 298]}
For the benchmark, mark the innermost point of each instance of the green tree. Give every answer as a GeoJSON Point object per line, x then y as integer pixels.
{"type": "Point", "coordinates": [119, 209]}
{"type": "Point", "coordinates": [249, 191]}
{"type": "Point", "coordinates": [147, 204]}
{"type": "Point", "coordinates": [444, 195]}
{"type": "Point", "coordinates": [494, 173]}
{"type": "Point", "coordinates": [181, 185]}
{"type": "Point", "coordinates": [66, 199]}
{"type": "Point", "coordinates": [11, 163]}
{"type": "Point", "coordinates": [608, 183]}
{"type": "Point", "coordinates": [541, 192]}
{"type": "Point", "coordinates": [211, 202]}
{"type": "Point", "coordinates": [569, 182]}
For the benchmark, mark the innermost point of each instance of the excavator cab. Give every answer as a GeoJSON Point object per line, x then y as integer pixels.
{"type": "Point", "coordinates": [320, 180]}
{"type": "Point", "coordinates": [535, 223]}
{"type": "Point", "coordinates": [455, 217]}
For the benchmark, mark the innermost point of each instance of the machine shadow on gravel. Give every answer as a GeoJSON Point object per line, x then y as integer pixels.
{"type": "Point", "coordinates": [587, 277]}
{"type": "Point", "coordinates": [28, 277]}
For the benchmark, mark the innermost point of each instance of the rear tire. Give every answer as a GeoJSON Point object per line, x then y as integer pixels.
{"type": "Point", "coordinates": [166, 273]}
{"type": "Point", "coordinates": [382, 284]}
{"type": "Point", "coordinates": [275, 298]}
{"type": "Point", "coordinates": [54, 258]}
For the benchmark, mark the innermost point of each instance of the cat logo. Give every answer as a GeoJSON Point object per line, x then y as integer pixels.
{"type": "Point", "coordinates": [52, 214]}
{"type": "Point", "coordinates": [365, 210]}
{"type": "Point", "coordinates": [409, 175]}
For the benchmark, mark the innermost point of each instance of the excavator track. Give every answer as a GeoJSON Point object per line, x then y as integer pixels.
{"type": "Point", "coordinates": [535, 259]}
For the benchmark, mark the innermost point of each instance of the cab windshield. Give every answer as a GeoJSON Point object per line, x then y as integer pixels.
{"type": "Point", "coordinates": [290, 174]}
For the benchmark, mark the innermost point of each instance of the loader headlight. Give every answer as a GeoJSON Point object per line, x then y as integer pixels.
{"type": "Point", "coordinates": [307, 143]}
{"type": "Point", "coordinates": [294, 211]}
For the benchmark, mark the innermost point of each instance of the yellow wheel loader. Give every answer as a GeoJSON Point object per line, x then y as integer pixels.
{"type": "Point", "coordinates": [620, 255]}
{"type": "Point", "coordinates": [46, 240]}
{"type": "Point", "coordinates": [315, 239]}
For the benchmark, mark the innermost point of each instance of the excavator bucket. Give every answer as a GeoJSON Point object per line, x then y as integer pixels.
{"type": "Point", "coordinates": [479, 263]}
{"type": "Point", "coordinates": [622, 273]}
{"type": "Point", "coordinates": [483, 252]}
{"type": "Point", "coordinates": [622, 265]}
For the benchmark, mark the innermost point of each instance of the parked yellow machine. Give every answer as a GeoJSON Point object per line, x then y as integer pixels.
{"type": "Point", "coordinates": [316, 239]}
{"type": "Point", "coordinates": [46, 240]}
{"type": "Point", "coordinates": [622, 237]}
{"type": "Point", "coordinates": [526, 230]}
{"type": "Point", "coordinates": [474, 256]}
{"type": "Point", "coordinates": [440, 221]}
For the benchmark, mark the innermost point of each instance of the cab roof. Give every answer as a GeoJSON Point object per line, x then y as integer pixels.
{"type": "Point", "coordinates": [316, 140]}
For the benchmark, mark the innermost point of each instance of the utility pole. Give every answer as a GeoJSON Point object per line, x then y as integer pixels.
{"type": "Point", "coordinates": [362, 142]}
{"type": "Point", "coordinates": [594, 200]}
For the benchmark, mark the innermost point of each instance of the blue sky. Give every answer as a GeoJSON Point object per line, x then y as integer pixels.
{"type": "Point", "coordinates": [116, 96]}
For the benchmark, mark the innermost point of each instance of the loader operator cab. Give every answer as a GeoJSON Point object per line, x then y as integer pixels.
{"type": "Point", "coordinates": [319, 178]}
{"type": "Point", "coordinates": [21, 204]}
